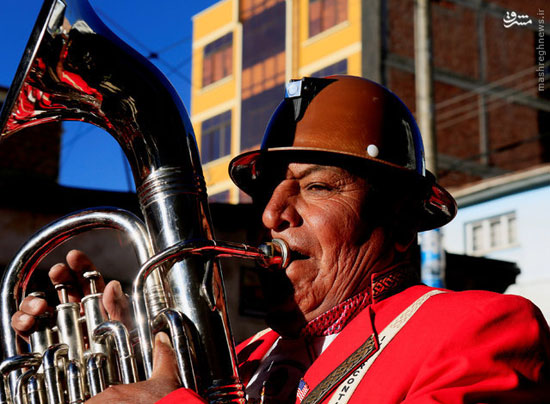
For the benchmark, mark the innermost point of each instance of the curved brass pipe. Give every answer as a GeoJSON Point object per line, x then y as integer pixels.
{"type": "Point", "coordinates": [75, 68]}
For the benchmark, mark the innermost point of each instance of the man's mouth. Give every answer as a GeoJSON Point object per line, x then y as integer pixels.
{"type": "Point", "coordinates": [295, 255]}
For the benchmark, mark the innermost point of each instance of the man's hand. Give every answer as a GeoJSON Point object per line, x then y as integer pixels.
{"type": "Point", "coordinates": [115, 301]}
{"type": "Point", "coordinates": [164, 380]}
{"type": "Point", "coordinates": [165, 372]}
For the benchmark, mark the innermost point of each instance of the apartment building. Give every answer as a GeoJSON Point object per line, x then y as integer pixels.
{"type": "Point", "coordinates": [492, 110]}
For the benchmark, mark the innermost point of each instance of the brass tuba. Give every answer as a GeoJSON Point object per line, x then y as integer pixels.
{"type": "Point", "coordinates": [75, 68]}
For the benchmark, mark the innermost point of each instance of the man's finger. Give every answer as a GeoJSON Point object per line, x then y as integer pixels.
{"type": "Point", "coordinates": [116, 304]}
{"type": "Point", "coordinates": [62, 274]}
{"type": "Point", "coordinates": [80, 264]}
{"type": "Point", "coordinates": [164, 361]}
{"type": "Point", "coordinates": [23, 323]}
{"type": "Point", "coordinates": [35, 306]}
{"type": "Point", "coordinates": [71, 274]}
{"type": "Point", "coordinates": [163, 381]}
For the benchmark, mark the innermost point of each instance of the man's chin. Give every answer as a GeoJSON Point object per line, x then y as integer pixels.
{"type": "Point", "coordinates": [288, 323]}
{"type": "Point", "coordinates": [283, 313]}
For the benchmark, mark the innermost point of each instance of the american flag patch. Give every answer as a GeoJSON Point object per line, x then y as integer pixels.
{"type": "Point", "coordinates": [303, 389]}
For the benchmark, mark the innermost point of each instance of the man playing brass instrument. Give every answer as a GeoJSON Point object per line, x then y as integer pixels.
{"type": "Point", "coordinates": [341, 179]}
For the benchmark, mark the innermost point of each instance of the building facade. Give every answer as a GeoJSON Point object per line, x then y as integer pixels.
{"type": "Point", "coordinates": [491, 97]}
{"type": "Point", "coordinates": [492, 103]}
{"type": "Point", "coordinates": [506, 218]}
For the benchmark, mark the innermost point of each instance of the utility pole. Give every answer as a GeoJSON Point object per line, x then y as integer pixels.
{"type": "Point", "coordinates": [432, 254]}
{"type": "Point", "coordinates": [423, 64]}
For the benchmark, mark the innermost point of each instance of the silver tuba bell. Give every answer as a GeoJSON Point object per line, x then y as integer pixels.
{"type": "Point", "coordinates": [75, 68]}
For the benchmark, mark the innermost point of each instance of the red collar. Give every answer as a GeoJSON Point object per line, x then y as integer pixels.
{"type": "Point", "coordinates": [382, 285]}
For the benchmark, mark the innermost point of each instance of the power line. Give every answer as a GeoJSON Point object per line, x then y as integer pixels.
{"type": "Point", "coordinates": [504, 94]}
{"type": "Point", "coordinates": [151, 54]}
{"type": "Point", "coordinates": [447, 119]}
{"type": "Point", "coordinates": [480, 91]}
{"type": "Point", "coordinates": [177, 68]}
{"type": "Point", "coordinates": [175, 71]}
{"type": "Point", "coordinates": [175, 44]}
{"type": "Point", "coordinates": [496, 99]}
{"type": "Point", "coordinates": [488, 87]}
{"type": "Point", "coordinates": [456, 166]}
{"type": "Point", "coordinates": [471, 110]}
{"type": "Point", "coordinates": [123, 30]}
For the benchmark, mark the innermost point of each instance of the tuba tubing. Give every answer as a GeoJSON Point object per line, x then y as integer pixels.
{"type": "Point", "coordinates": [19, 271]}
{"type": "Point", "coordinates": [75, 68]}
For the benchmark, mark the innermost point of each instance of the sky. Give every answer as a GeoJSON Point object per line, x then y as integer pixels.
{"type": "Point", "coordinates": [91, 158]}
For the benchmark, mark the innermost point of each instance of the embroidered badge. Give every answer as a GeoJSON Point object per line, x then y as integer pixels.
{"type": "Point", "coordinates": [303, 389]}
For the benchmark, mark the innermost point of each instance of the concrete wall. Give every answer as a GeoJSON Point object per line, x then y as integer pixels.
{"type": "Point", "coordinates": [531, 252]}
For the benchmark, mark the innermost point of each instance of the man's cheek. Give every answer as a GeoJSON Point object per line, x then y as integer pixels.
{"type": "Point", "coordinates": [276, 286]}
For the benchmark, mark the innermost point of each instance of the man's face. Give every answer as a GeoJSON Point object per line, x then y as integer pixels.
{"type": "Point", "coordinates": [320, 212]}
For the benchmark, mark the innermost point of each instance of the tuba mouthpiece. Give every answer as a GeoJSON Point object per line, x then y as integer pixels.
{"type": "Point", "coordinates": [276, 254]}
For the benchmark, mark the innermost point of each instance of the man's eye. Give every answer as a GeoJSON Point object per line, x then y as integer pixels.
{"type": "Point", "coordinates": [318, 188]}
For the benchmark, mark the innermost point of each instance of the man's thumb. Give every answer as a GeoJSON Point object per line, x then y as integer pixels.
{"type": "Point", "coordinates": [164, 360]}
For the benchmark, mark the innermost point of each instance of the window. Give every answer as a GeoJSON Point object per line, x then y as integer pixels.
{"type": "Point", "coordinates": [263, 75]}
{"type": "Point", "coordinates": [256, 111]}
{"type": "Point", "coordinates": [340, 67]}
{"type": "Point", "coordinates": [216, 137]}
{"type": "Point", "coordinates": [218, 60]}
{"type": "Point", "coordinates": [251, 8]}
{"type": "Point", "coordinates": [477, 237]}
{"type": "Point", "coordinates": [263, 57]}
{"type": "Point", "coordinates": [494, 233]}
{"type": "Point", "coordinates": [324, 14]}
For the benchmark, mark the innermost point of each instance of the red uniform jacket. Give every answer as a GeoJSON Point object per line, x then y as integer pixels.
{"type": "Point", "coordinates": [460, 347]}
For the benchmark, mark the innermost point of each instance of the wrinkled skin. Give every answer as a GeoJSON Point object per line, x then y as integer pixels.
{"type": "Point", "coordinates": [324, 215]}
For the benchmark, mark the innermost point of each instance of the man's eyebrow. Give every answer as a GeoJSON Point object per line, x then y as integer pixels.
{"type": "Point", "coordinates": [315, 168]}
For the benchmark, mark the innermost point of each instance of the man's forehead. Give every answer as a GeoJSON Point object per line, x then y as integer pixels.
{"type": "Point", "coordinates": [300, 170]}
{"type": "Point", "coordinates": [276, 172]}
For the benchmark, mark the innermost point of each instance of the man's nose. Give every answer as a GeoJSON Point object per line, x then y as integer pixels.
{"type": "Point", "coordinates": [280, 211]}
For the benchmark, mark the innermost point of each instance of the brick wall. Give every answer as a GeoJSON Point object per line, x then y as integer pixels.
{"type": "Point", "coordinates": [485, 86]}
{"type": "Point", "coordinates": [455, 40]}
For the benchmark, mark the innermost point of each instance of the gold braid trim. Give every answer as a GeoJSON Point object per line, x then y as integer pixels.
{"type": "Point", "coordinates": [344, 369]}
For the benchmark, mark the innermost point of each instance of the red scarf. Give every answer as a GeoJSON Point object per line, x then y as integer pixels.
{"type": "Point", "coordinates": [383, 285]}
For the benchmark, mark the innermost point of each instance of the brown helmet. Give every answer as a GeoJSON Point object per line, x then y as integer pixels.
{"type": "Point", "coordinates": [351, 119]}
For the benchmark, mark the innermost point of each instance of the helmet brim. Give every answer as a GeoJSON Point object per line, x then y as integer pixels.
{"type": "Point", "coordinates": [437, 208]}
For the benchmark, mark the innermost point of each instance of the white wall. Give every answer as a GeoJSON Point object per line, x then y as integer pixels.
{"type": "Point", "coordinates": [531, 254]}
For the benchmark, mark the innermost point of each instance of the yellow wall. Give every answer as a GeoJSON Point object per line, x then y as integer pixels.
{"type": "Point", "coordinates": [342, 41]}
{"type": "Point", "coordinates": [209, 25]}
{"type": "Point", "coordinates": [339, 42]}
{"type": "Point", "coordinates": [215, 172]}
{"type": "Point", "coordinates": [218, 97]}
{"type": "Point", "coordinates": [217, 93]}
{"type": "Point", "coordinates": [212, 19]}
{"type": "Point", "coordinates": [354, 64]}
